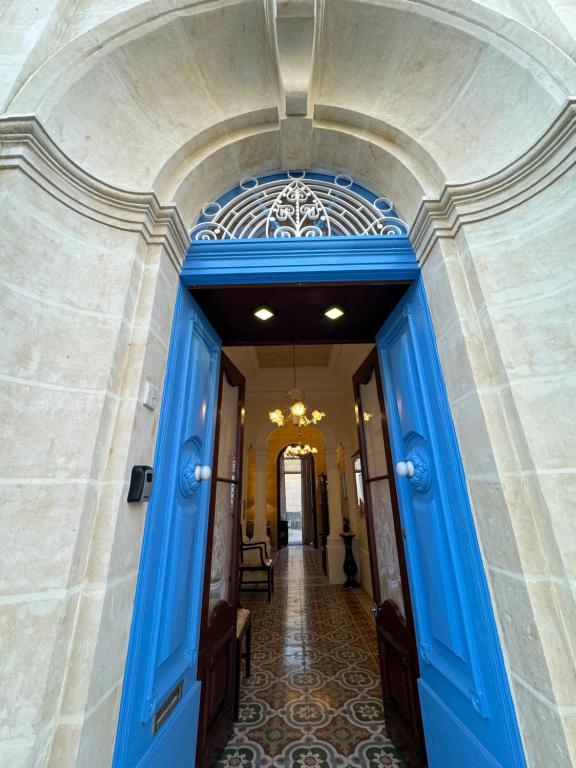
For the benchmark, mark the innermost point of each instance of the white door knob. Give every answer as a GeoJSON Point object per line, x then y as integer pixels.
{"type": "Point", "coordinates": [405, 468]}
{"type": "Point", "coordinates": [202, 473]}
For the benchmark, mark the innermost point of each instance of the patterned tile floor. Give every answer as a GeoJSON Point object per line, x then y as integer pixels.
{"type": "Point", "coordinates": [313, 699]}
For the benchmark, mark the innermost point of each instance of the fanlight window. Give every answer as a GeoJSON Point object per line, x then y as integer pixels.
{"type": "Point", "coordinates": [297, 204]}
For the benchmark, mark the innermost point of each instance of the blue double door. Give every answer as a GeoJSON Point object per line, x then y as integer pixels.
{"type": "Point", "coordinates": [464, 695]}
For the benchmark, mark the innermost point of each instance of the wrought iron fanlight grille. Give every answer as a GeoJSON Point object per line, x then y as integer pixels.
{"type": "Point", "coordinates": [297, 204]}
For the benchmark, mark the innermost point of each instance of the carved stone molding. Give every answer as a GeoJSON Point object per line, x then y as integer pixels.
{"type": "Point", "coordinates": [548, 159]}
{"type": "Point", "coordinates": [293, 30]}
{"type": "Point", "coordinates": [25, 145]}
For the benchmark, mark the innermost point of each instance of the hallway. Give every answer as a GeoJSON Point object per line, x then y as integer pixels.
{"type": "Point", "coordinates": [313, 699]}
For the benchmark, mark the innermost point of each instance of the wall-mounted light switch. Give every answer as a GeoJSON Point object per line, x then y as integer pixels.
{"type": "Point", "coordinates": [150, 396]}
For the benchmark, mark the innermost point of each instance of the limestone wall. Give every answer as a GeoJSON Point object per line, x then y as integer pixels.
{"type": "Point", "coordinates": [86, 313]}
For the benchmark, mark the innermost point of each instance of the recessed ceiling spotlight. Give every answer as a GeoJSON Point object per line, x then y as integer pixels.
{"type": "Point", "coordinates": [263, 313]}
{"type": "Point", "coordinates": [334, 312]}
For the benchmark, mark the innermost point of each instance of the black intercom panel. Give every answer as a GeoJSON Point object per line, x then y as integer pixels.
{"type": "Point", "coordinates": [141, 483]}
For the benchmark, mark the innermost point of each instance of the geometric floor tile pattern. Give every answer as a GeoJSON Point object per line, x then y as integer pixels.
{"type": "Point", "coordinates": [313, 699]}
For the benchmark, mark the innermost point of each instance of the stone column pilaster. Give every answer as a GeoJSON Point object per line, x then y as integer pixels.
{"type": "Point", "coordinates": [335, 545]}
{"type": "Point", "coordinates": [260, 497]}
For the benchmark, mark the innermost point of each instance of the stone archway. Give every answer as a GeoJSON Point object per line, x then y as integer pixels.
{"type": "Point", "coordinates": [99, 189]}
{"type": "Point", "coordinates": [265, 468]}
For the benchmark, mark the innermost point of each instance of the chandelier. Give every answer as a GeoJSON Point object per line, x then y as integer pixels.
{"type": "Point", "coordinates": [299, 449]}
{"type": "Point", "coordinates": [295, 411]}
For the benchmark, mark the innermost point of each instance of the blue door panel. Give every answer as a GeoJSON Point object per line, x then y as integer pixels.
{"type": "Point", "coordinates": [463, 685]}
{"type": "Point", "coordinates": [163, 652]}
{"type": "Point", "coordinates": [443, 615]}
{"type": "Point", "coordinates": [447, 736]}
{"type": "Point", "coordinates": [440, 617]}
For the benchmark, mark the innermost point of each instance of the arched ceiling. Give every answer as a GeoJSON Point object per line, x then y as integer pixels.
{"type": "Point", "coordinates": [186, 98]}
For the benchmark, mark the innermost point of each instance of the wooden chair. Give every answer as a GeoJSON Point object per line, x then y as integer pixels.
{"type": "Point", "coordinates": [243, 632]}
{"type": "Point", "coordinates": [264, 565]}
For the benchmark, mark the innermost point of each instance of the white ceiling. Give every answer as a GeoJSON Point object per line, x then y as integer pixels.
{"type": "Point", "coordinates": [307, 356]}
{"type": "Point", "coordinates": [327, 367]}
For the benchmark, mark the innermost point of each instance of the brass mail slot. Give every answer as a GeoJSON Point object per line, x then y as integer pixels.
{"type": "Point", "coordinates": [167, 706]}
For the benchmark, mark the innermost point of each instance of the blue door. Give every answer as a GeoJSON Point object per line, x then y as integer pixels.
{"type": "Point", "coordinates": [467, 710]}
{"type": "Point", "coordinates": [161, 694]}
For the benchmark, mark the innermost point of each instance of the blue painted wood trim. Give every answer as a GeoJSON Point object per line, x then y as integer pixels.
{"type": "Point", "coordinates": [288, 260]}
{"type": "Point", "coordinates": [138, 698]}
{"type": "Point", "coordinates": [436, 401]}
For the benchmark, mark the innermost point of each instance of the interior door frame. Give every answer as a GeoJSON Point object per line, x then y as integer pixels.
{"type": "Point", "coordinates": [279, 501]}
{"type": "Point", "coordinates": [372, 365]}
{"type": "Point", "coordinates": [279, 472]}
{"type": "Point", "coordinates": [314, 502]}
{"type": "Point", "coordinates": [222, 620]}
